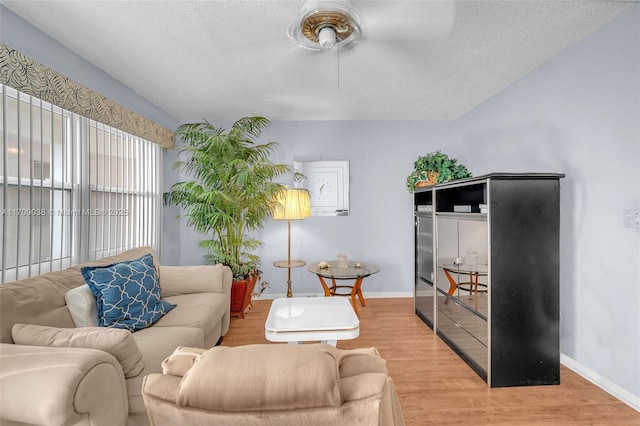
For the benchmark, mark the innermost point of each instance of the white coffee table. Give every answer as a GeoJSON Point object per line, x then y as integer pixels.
{"type": "Point", "coordinates": [303, 319]}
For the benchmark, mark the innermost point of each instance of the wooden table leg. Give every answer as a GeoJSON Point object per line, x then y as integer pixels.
{"type": "Point", "coordinates": [474, 280]}
{"type": "Point", "coordinates": [474, 285]}
{"type": "Point", "coordinates": [325, 287]}
{"type": "Point", "coordinates": [452, 285]}
{"type": "Point", "coordinates": [357, 287]}
{"type": "Point", "coordinates": [354, 303]}
{"type": "Point", "coordinates": [355, 294]}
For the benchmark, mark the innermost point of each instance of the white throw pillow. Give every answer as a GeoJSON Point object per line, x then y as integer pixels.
{"type": "Point", "coordinates": [81, 303]}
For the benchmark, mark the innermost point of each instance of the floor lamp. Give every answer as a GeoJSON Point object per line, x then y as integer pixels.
{"type": "Point", "coordinates": [292, 204]}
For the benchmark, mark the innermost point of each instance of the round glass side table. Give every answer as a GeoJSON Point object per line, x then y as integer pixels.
{"type": "Point", "coordinates": [354, 270]}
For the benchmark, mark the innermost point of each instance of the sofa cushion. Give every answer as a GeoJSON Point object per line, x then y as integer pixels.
{"type": "Point", "coordinates": [156, 344]}
{"type": "Point", "coordinates": [201, 310]}
{"type": "Point", "coordinates": [119, 343]}
{"type": "Point", "coordinates": [37, 300]}
{"type": "Point", "coordinates": [261, 378]}
{"type": "Point", "coordinates": [363, 373]}
{"type": "Point", "coordinates": [181, 360]}
{"type": "Point", "coordinates": [127, 293]}
{"type": "Point", "coordinates": [201, 279]}
{"type": "Point", "coordinates": [361, 361]}
{"type": "Point", "coordinates": [82, 306]}
{"type": "Point", "coordinates": [362, 386]}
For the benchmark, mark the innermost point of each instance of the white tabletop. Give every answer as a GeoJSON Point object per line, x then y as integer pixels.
{"type": "Point", "coordinates": [299, 319]}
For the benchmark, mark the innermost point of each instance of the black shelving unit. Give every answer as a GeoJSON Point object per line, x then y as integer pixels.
{"type": "Point", "coordinates": [511, 338]}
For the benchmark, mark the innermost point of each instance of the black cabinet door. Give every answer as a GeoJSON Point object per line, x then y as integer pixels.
{"type": "Point", "coordinates": [525, 243]}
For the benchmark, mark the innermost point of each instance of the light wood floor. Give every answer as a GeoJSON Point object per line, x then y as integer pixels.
{"type": "Point", "coordinates": [436, 387]}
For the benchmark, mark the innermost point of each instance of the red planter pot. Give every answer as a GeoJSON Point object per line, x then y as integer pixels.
{"type": "Point", "coordinates": [241, 292]}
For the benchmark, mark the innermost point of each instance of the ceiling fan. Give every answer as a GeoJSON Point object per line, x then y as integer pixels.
{"type": "Point", "coordinates": [386, 33]}
{"type": "Point", "coordinates": [324, 24]}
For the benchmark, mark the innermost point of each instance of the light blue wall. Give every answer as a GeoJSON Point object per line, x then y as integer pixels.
{"type": "Point", "coordinates": [578, 114]}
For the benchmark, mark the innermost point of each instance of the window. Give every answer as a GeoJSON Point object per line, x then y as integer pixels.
{"type": "Point", "coordinates": [124, 191]}
{"type": "Point", "coordinates": [73, 189]}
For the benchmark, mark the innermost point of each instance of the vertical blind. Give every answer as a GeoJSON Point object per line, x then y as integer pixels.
{"type": "Point", "coordinates": [73, 189]}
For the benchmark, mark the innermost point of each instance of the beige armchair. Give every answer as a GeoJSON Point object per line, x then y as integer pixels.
{"type": "Point", "coordinates": [312, 384]}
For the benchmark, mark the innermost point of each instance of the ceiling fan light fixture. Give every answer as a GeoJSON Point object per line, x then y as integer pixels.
{"type": "Point", "coordinates": [327, 38]}
{"type": "Point", "coordinates": [323, 24]}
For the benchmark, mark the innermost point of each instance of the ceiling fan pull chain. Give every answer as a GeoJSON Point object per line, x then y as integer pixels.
{"type": "Point", "coordinates": [338, 54]}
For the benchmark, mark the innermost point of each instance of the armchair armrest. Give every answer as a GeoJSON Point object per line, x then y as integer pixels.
{"type": "Point", "coordinates": [42, 385]}
{"type": "Point", "coordinates": [176, 280]}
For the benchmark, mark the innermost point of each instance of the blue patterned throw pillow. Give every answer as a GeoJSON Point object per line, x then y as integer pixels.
{"type": "Point", "coordinates": [127, 293]}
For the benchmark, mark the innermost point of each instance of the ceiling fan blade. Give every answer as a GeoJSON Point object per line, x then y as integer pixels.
{"type": "Point", "coordinates": [312, 104]}
{"type": "Point", "coordinates": [406, 20]}
{"type": "Point", "coordinates": [302, 68]}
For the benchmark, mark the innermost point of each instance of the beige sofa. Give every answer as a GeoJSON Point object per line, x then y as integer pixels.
{"type": "Point", "coordinates": [93, 376]}
{"type": "Point", "coordinates": [275, 385]}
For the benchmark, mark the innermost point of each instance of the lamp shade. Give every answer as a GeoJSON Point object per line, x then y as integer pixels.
{"type": "Point", "coordinates": [292, 203]}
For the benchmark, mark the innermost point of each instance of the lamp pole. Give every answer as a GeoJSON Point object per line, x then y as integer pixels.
{"type": "Point", "coordinates": [289, 292]}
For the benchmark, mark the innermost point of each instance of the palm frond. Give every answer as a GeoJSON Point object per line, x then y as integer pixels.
{"type": "Point", "coordinates": [232, 190]}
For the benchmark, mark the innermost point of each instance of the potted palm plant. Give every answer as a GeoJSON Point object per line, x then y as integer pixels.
{"type": "Point", "coordinates": [231, 194]}
{"type": "Point", "coordinates": [435, 167]}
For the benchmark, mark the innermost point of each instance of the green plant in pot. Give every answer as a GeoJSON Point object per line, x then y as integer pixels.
{"type": "Point", "coordinates": [231, 193]}
{"type": "Point", "coordinates": [435, 167]}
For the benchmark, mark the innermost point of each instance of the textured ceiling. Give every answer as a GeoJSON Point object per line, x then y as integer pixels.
{"type": "Point", "coordinates": [220, 60]}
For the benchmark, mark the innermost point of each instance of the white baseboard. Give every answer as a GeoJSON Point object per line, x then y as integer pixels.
{"type": "Point", "coordinates": [603, 383]}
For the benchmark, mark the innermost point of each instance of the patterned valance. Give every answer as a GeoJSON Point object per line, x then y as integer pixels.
{"type": "Point", "coordinates": [30, 77]}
